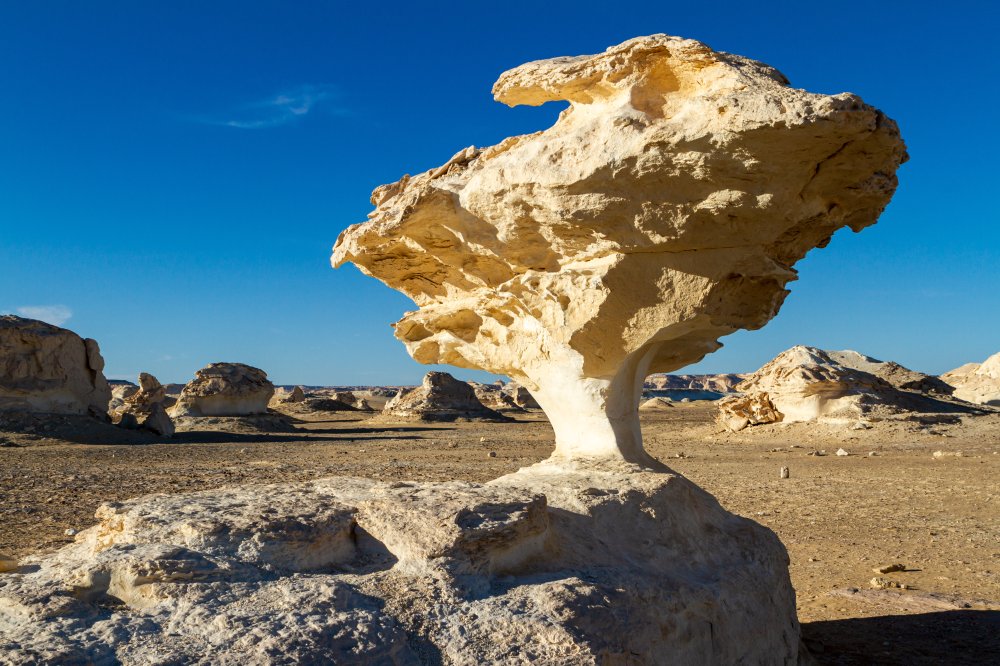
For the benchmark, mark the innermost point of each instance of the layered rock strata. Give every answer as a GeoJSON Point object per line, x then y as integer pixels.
{"type": "Point", "coordinates": [576, 565]}
{"type": "Point", "coordinates": [665, 208]}
{"type": "Point", "coordinates": [45, 368]}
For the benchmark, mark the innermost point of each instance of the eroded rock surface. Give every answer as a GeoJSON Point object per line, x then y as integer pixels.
{"type": "Point", "coordinates": [144, 408]}
{"type": "Point", "coordinates": [665, 208]}
{"type": "Point", "coordinates": [296, 395]}
{"type": "Point", "coordinates": [977, 383]}
{"type": "Point", "coordinates": [225, 389]}
{"type": "Point", "coordinates": [494, 397]}
{"type": "Point", "coordinates": [45, 368]}
{"type": "Point", "coordinates": [809, 384]}
{"type": "Point", "coordinates": [550, 565]}
{"type": "Point", "coordinates": [440, 397]}
{"type": "Point", "coordinates": [521, 396]}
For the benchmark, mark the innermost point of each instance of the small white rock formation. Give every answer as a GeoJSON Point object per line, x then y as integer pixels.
{"type": "Point", "coordinates": [810, 384]}
{"type": "Point", "coordinates": [656, 405]}
{"type": "Point", "coordinates": [665, 208]}
{"type": "Point", "coordinates": [440, 397]}
{"type": "Point", "coordinates": [978, 383]}
{"type": "Point", "coordinates": [575, 565]}
{"type": "Point", "coordinates": [44, 368]}
{"type": "Point", "coordinates": [225, 389]}
{"type": "Point", "coordinates": [144, 408]}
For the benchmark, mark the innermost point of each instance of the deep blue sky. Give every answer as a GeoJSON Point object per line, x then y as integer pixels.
{"type": "Point", "coordinates": [175, 175]}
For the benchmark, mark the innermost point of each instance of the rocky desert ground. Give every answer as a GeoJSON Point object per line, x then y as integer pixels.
{"type": "Point", "coordinates": [920, 495]}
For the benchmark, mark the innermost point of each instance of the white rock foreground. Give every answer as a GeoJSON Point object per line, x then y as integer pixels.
{"type": "Point", "coordinates": [584, 565]}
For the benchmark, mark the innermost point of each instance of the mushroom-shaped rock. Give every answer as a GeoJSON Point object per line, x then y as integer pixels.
{"type": "Point", "coordinates": [440, 397]}
{"type": "Point", "coordinates": [45, 368]}
{"type": "Point", "coordinates": [225, 389]}
{"type": "Point", "coordinates": [665, 208]}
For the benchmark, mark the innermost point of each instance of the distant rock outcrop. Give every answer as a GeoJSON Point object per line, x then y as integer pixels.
{"type": "Point", "coordinates": [893, 373]}
{"type": "Point", "coordinates": [225, 389]}
{"type": "Point", "coordinates": [521, 396]}
{"type": "Point", "coordinates": [440, 397]}
{"type": "Point", "coordinates": [809, 384]}
{"type": "Point", "coordinates": [717, 383]}
{"type": "Point", "coordinates": [978, 383]}
{"type": "Point", "coordinates": [45, 368]}
{"type": "Point", "coordinates": [656, 405]}
{"type": "Point", "coordinates": [144, 408]}
{"type": "Point", "coordinates": [494, 397]}
{"type": "Point", "coordinates": [296, 395]}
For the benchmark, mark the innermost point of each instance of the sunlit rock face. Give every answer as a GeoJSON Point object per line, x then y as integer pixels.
{"type": "Point", "coordinates": [665, 208]}
{"type": "Point", "coordinates": [977, 382]}
{"type": "Point", "coordinates": [45, 368]}
{"type": "Point", "coordinates": [225, 389]}
{"type": "Point", "coordinates": [810, 384]}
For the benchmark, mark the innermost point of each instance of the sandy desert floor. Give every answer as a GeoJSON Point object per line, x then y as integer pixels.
{"type": "Point", "coordinates": [839, 516]}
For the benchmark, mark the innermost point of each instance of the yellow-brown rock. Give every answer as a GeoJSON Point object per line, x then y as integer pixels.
{"type": "Point", "coordinates": [665, 208]}
{"type": "Point", "coordinates": [45, 368]}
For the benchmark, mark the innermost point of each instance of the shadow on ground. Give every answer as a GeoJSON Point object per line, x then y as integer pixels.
{"type": "Point", "coordinates": [948, 637]}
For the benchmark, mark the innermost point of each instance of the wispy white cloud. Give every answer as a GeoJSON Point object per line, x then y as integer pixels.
{"type": "Point", "coordinates": [56, 315]}
{"type": "Point", "coordinates": [280, 109]}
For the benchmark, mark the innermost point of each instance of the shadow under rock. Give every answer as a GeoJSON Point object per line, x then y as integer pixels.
{"type": "Point", "coordinates": [946, 637]}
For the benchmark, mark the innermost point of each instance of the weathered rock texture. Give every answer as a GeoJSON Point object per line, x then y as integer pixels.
{"type": "Point", "coordinates": [978, 383]}
{"type": "Point", "coordinates": [892, 372]}
{"type": "Point", "coordinates": [225, 389]}
{"type": "Point", "coordinates": [664, 209]}
{"type": "Point", "coordinates": [440, 397]}
{"type": "Point", "coordinates": [297, 395]}
{"type": "Point", "coordinates": [552, 566]}
{"type": "Point", "coordinates": [495, 398]}
{"type": "Point", "coordinates": [809, 384]}
{"type": "Point", "coordinates": [144, 408]}
{"type": "Point", "coordinates": [521, 396]}
{"type": "Point", "coordinates": [44, 368]}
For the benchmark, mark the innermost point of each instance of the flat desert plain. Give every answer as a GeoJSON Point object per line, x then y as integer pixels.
{"type": "Point", "coordinates": [839, 516]}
